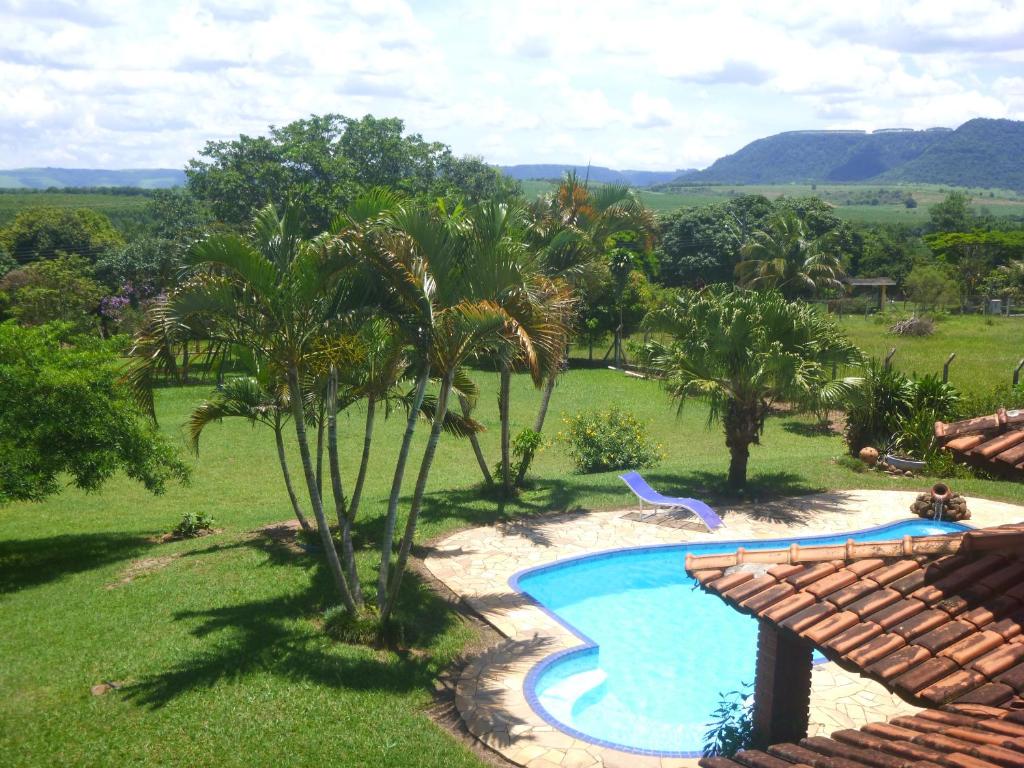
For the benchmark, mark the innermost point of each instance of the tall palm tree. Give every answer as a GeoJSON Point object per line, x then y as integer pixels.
{"type": "Point", "coordinates": [742, 352]}
{"type": "Point", "coordinates": [475, 299]}
{"type": "Point", "coordinates": [275, 294]}
{"type": "Point", "coordinates": [784, 256]}
{"type": "Point", "coordinates": [246, 398]}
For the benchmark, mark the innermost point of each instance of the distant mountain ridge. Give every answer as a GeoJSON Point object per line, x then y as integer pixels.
{"type": "Point", "coordinates": [597, 173]}
{"type": "Point", "coordinates": [980, 153]}
{"type": "Point", "coordinates": [44, 178]}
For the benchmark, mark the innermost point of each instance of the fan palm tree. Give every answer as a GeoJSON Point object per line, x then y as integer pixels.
{"type": "Point", "coordinates": [742, 352]}
{"type": "Point", "coordinates": [246, 398]}
{"type": "Point", "coordinates": [784, 256]}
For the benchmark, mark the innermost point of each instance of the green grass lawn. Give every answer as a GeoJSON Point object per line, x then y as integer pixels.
{"type": "Point", "coordinates": [987, 349]}
{"type": "Point", "coordinates": [218, 643]}
{"type": "Point", "coordinates": [123, 210]}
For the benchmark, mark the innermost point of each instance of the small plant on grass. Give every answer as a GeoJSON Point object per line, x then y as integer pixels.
{"type": "Point", "coordinates": [732, 727]}
{"type": "Point", "coordinates": [600, 441]}
{"type": "Point", "coordinates": [192, 524]}
{"type": "Point", "coordinates": [525, 446]}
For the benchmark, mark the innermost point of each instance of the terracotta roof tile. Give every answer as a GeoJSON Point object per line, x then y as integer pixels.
{"type": "Point", "coordinates": [832, 582]}
{"type": "Point", "coordinates": [895, 571]}
{"type": "Point", "coordinates": [740, 593]}
{"type": "Point", "coordinates": [923, 675]}
{"type": "Point", "coordinates": [874, 602]}
{"type": "Point", "coordinates": [920, 623]}
{"type": "Point", "coordinates": [831, 626]}
{"type": "Point", "coordinates": [853, 637]}
{"type": "Point", "coordinates": [1013, 677]}
{"type": "Point", "coordinates": [731, 580]}
{"type": "Point", "coordinates": [862, 568]}
{"type": "Point", "coordinates": [788, 606]}
{"type": "Point", "coordinates": [849, 594]}
{"type": "Point", "coordinates": [971, 647]}
{"type": "Point", "coordinates": [898, 612]}
{"type": "Point", "coordinates": [990, 610]}
{"type": "Point", "coordinates": [999, 660]}
{"type": "Point", "coordinates": [873, 650]}
{"type": "Point", "coordinates": [945, 635]}
{"type": "Point", "coordinates": [808, 617]}
{"type": "Point", "coordinates": [992, 694]}
{"type": "Point", "coordinates": [949, 688]}
{"type": "Point", "coordinates": [898, 662]}
{"type": "Point", "coordinates": [768, 597]}
{"type": "Point", "coordinates": [811, 574]}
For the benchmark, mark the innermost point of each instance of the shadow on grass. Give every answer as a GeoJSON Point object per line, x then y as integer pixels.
{"type": "Point", "coordinates": [31, 562]}
{"type": "Point", "coordinates": [280, 636]}
{"type": "Point", "coordinates": [806, 429]}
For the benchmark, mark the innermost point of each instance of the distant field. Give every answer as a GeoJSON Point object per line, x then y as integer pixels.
{"type": "Point", "coordinates": [123, 210]}
{"type": "Point", "coordinates": [986, 352]}
{"type": "Point", "coordinates": [847, 199]}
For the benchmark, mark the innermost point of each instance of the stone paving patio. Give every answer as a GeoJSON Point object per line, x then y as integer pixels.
{"type": "Point", "coordinates": [477, 563]}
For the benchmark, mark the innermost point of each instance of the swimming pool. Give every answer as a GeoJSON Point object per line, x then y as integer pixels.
{"type": "Point", "coordinates": [657, 651]}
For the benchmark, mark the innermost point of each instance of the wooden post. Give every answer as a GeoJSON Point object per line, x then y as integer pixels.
{"type": "Point", "coordinates": [881, 299]}
{"type": "Point", "coordinates": [782, 686]}
{"type": "Point", "coordinates": [945, 368]}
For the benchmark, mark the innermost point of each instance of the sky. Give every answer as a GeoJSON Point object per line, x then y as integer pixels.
{"type": "Point", "coordinates": [640, 85]}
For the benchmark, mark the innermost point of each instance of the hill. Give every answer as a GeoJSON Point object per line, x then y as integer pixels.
{"type": "Point", "coordinates": [980, 153]}
{"type": "Point", "coordinates": [45, 178]}
{"type": "Point", "coordinates": [597, 173]}
{"type": "Point", "coordinates": [979, 150]}
{"type": "Point", "coordinates": [812, 156]}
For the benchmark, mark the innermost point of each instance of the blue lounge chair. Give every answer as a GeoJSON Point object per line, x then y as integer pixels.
{"type": "Point", "coordinates": [644, 492]}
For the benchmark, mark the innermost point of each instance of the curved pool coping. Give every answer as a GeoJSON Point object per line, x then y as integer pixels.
{"type": "Point", "coordinates": [587, 645]}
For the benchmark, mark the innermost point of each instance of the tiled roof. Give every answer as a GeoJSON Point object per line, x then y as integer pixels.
{"type": "Point", "coordinates": [994, 442]}
{"type": "Point", "coordinates": [958, 737]}
{"type": "Point", "coordinates": [937, 620]}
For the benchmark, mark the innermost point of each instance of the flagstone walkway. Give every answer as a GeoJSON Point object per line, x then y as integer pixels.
{"type": "Point", "coordinates": [476, 564]}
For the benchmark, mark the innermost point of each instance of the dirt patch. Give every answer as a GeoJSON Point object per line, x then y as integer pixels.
{"type": "Point", "coordinates": [286, 534]}
{"type": "Point", "coordinates": [143, 567]}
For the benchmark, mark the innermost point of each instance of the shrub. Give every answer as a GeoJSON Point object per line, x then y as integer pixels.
{"type": "Point", "coordinates": [193, 524]}
{"type": "Point", "coordinates": [346, 628]}
{"type": "Point", "coordinates": [600, 441]}
{"type": "Point", "coordinates": [732, 727]}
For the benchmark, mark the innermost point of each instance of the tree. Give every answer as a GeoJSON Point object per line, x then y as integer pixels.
{"type": "Point", "coordinates": [66, 414]}
{"type": "Point", "coordinates": [279, 296]}
{"type": "Point", "coordinates": [887, 252]}
{"type": "Point", "coordinates": [321, 163]}
{"type": "Point", "coordinates": [783, 255]}
{"type": "Point", "coordinates": [930, 287]}
{"type": "Point", "coordinates": [46, 232]}
{"type": "Point", "coordinates": [953, 214]}
{"type": "Point", "coordinates": [7, 262]}
{"type": "Point", "coordinates": [742, 352]}
{"type": "Point", "coordinates": [59, 289]}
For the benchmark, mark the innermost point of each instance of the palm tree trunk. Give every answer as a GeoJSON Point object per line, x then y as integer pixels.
{"type": "Point", "coordinates": [739, 453]}
{"type": "Point", "coordinates": [364, 460]}
{"type": "Point", "coordinates": [282, 457]}
{"type": "Point", "coordinates": [396, 489]}
{"type": "Point", "coordinates": [474, 440]}
{"type": "Point", "coordinates": [314, 497]}
{"type": "Point", "coordinates": [320, 450]}
{"type": "Point", "coordinates": [505, 379]}
{"type": "Point", "coordinates": [417, 498]}
{"type": "Point", "coordinates": [538, 424]}
{"type": "Point", "coordinates": [334, 465]}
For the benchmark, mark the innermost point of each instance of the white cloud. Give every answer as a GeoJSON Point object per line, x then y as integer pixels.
{"type": "Point", "coordinates": [659, 85]}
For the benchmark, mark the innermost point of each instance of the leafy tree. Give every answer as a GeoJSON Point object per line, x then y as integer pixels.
{"type": "Point", "coordinates": [784, 255]}
{"type": "Point", "coordinates": [974, 254]}
{"type": "Point", "coordinates": [1007, 282]}
{"type": "Point", "coordinates": [7, 262]}
{"type": "Point", "coordinates": [65, 414]}
{"type": "Point", "coordinates": [58, 289]}
{"type": "Point", "coordinates": [46, 232]}
{"type": "Point", "coordinates": [953, 214]}
{"type": "Point", "coordinates": [743, 351]}
{"type": "Point", "coordinates": [323, 162]}
{"type": "Point", "coordinates": [887, 252]}
{"type": "Point", "coordinates": [699, 246]}
{"type": "Point", "coordinates": [930, 287]}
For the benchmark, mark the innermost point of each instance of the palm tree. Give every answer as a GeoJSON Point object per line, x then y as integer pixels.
{"type": "Point", "coordinates": [276, 295]}
{"type": "Point", "coordinates": [742, 352]}
{"type": "Point", "coordinates": [246, 398]}
{"type": "Point", "coordinates": [467, 300]}
{"type": "Point", "coordinates": [576, 231]}
{"type": "Point", "coordinates": [784, 256]}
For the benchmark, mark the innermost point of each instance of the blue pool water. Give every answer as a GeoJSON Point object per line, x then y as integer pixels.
{"type": "Point", "coordinates": [658, 652]}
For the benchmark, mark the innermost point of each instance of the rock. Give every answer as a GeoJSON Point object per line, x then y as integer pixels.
{"type": "Point", "coordinates": [908, 473]}
{"type": "Point", "coordinates": [869, 455]}
{"type": "Point", "coordinates": [102, 688]}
